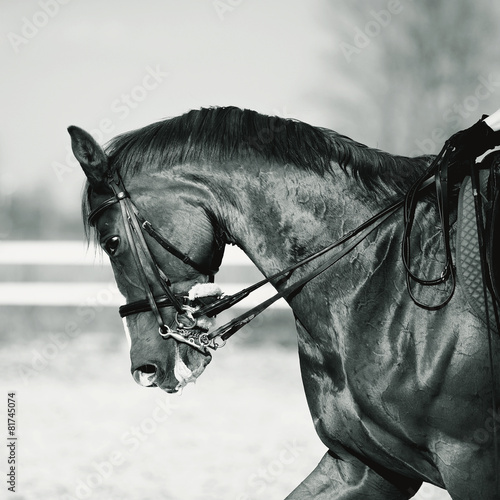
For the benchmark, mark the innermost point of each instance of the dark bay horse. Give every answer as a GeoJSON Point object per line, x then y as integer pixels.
{"type": "Point", "coordinates": [398, 394]}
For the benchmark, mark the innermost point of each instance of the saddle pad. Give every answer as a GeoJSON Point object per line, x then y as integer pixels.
{"type": "Point", "coordinates": [468, 259]}
{"type": "Point", "coordinates": [493, 252]}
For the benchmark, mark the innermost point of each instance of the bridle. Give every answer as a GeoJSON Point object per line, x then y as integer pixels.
{"type": "Point", "coordinates": [185, 329]}
{"type": "Point", "coordinates": [188, 311]}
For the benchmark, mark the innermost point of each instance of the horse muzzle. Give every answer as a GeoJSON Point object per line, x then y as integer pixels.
{"type": "Point", "coordinates": [188, 365]}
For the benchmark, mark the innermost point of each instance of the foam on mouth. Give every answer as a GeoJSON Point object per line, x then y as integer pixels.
{"type": "Point", "coordinates": [182, 372]}
{"type": "Point", "coordinates": [127, 333]}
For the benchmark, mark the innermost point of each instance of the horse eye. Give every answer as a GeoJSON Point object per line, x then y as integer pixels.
{"type": "Point", "coordinates": [111, 245]}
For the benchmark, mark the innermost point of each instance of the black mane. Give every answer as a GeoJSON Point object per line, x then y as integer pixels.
{"type": "Point", "coordinates": [216, 135]}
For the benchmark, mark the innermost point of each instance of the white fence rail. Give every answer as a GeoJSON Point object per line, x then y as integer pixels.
{"type": "Point", "coordinates": [74, 293]}
{"type": "Point", "coordinates": [76, 253]}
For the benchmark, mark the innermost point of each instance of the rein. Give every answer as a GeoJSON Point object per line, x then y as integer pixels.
{"type": "Point", "coordinates": [438, 172]}
{"type": "Point", "coordinates": [189, 311]}
{"type": "Point", "coordinates": [352, 239]}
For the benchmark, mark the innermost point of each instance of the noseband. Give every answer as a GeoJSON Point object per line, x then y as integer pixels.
{"type": "Point", "coordinates": [186, 328]}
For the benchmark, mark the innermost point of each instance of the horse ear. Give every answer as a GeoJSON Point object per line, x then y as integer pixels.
{"type": "Point", "coordinates": [91, 157]}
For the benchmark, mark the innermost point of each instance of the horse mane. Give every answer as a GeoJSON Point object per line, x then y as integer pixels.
{"type": "Point", "coordinates": [220, 134]}
{"type": "Point", "coordinates": [229, 133]}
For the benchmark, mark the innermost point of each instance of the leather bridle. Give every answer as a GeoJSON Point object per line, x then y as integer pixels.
{"type": "Point", "coordinates": [185, 329]}
{"type": "Point", "coordinates": [188, 311]}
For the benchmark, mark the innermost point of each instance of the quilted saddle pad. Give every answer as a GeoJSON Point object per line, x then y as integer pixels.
{"type": "Point", "coordinates": [469, 273]}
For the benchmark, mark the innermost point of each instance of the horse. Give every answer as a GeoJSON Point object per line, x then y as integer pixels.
{"type": "Point", "coordinates": [397, 392]}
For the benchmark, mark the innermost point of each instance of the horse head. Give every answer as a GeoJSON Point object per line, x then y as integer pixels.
{"type": "Point", "coordinates": [161, 288]}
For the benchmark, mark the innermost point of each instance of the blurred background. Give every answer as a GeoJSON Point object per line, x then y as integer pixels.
{"type": "Point", "coordinates": [399, 75]}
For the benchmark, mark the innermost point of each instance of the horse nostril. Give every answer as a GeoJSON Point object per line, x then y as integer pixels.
{"type": "Point", "coordinates": [145, 375]}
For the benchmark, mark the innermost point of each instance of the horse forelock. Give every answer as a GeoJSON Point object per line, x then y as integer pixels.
{"type": "Point", "coordinates": [89, 231]}
{"type": "Point", "coordinates": [221, 134]}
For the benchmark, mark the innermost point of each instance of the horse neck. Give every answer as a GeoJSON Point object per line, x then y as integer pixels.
{"type": "Point", "coordinates": [278, 214]}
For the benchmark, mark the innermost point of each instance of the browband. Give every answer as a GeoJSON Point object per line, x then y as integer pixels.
{"type": "Point", "coordinates": [96, 213]}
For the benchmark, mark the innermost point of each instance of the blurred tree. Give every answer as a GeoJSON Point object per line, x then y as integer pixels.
{"type": "Point", "coordinates": [414, 72]}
